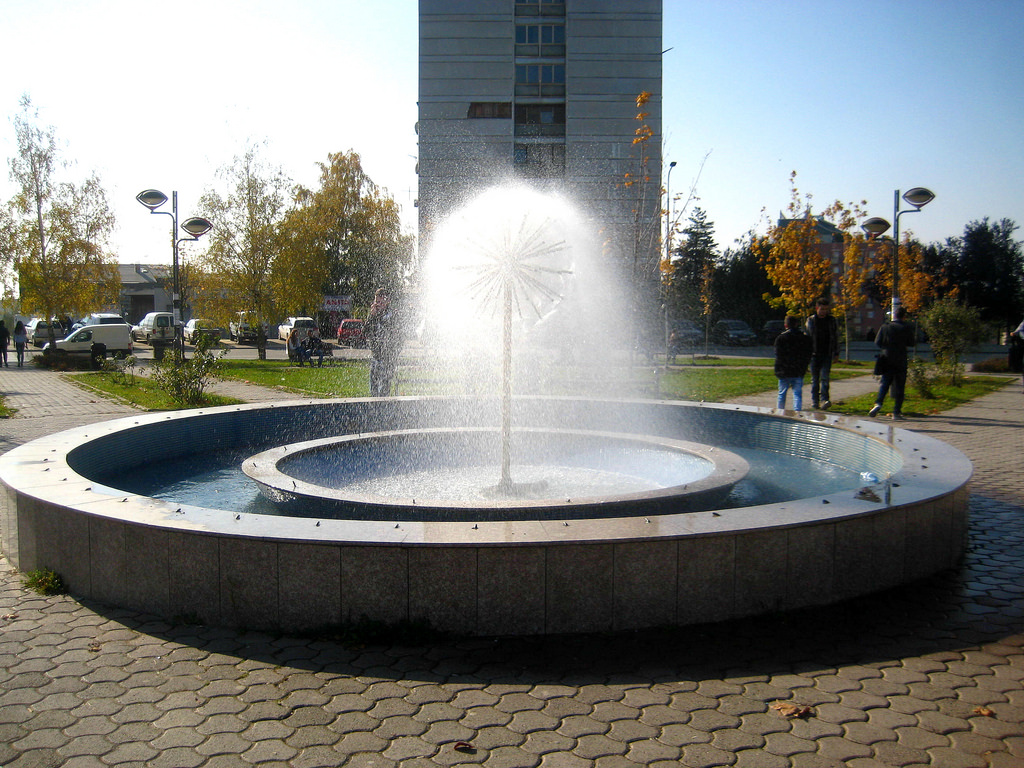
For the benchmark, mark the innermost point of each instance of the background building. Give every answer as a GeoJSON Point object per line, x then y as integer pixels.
{"type": "Point", "coordinates": [544, 92]}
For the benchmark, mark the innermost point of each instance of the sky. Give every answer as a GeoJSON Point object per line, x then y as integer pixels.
{"type": "Point", "coordinates": [859, 98]}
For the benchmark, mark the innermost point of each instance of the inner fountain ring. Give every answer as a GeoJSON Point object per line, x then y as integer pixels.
{"type": "Point", "coordinates": [60, 511]}
{"type": "Point", "coordinates": [295, 476]}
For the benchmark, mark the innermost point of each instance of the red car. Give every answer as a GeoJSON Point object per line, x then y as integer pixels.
{"type": "Point", "coordinates": [350, 334]}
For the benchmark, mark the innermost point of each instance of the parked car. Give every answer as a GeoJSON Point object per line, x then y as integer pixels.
{"type": "Point", "coordinates": [350, 334]}
{"type": "Point", "coordinates": [101, 318]}
{"type": "Point", "coordinates": [734, 333]}
{"type": "Point", "coordinates": [685, 335]}
{"type": "Point", "coordinates": [286, 327]}
{"type": "Point", "coordinates": [115, 337]}
{"type": "Point", "coordinates": [197, 328]}
{"type": "Point", "coordinates": [155, 328]}
{"type": "Point", "coordinates": [771, 330]}
{"type": "Point", "coordinates": [243, 328]}
{"type": "Point", "coordinates": [38, 331]}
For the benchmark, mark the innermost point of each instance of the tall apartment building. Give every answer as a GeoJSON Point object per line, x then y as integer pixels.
{"type": "Point", "coordinates": [544, 91]}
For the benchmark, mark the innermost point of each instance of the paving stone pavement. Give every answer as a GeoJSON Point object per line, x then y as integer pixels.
{"type": "Point", "coordinates": [930, 674]}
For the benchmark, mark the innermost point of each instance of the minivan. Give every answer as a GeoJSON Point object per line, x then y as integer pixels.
{"type": "Point", "coordinates": [155, 328]}
{"type": "Point", "coordinates": [38, 331]}
{"type": "Point", "coordinates": [114, 336]}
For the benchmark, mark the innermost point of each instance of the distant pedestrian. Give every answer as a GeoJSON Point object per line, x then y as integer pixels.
{"type": "Point", "coordinates": [1016, 360]}
{"type": "Point", "coordinates": [792, 355]}
{"type": "Point", "coordinates": [5, 340]}
{"type": "Point", "coordinates": [893, 339]}
{"type": "Point", "coordinates": [20, 341]}
{"type": "Point", "coordinates": [824, 332]}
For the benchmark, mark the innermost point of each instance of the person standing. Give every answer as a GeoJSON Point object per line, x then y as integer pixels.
{"type": "Point", "coordinates": [824, 332]}
{"type": "Point", "coordinates": [5, 340]}
{"type": "Point", "coordinates": [20, 341]}
{"type": "Point", "coordinates": [792, 354]}
{"type": "Point", "coordinates": [893, 339]}
{"type": "Point", "coordinates": [1016, 360]}
{"type": "Point", "coordinates": [383, 336]}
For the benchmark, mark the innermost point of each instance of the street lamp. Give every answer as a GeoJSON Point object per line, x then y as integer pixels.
{"type": "Point", "coordinates": [668, 250]}
{"type": "Point", "coordinates": [195, 227]}
{"type": "Point", "coordinates": [918, 197]}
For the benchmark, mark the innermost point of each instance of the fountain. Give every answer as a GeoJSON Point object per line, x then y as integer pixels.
{"type": "Point", "coordinates": [484, 511]}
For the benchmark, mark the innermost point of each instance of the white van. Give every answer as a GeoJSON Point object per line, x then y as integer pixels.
{"type": "Point", "coordinates": [156, 327]}
{"type": "Point", "coordinates": [115, 336]}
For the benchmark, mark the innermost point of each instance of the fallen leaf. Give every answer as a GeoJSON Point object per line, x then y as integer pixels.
{"type": "Point", "coordinates": [464, 746]}
{"type": "Point", "coordinates": [9, 616]}
{"type": "Point", "coordinates": [984, 712]}
{"type": "Point", "coordinates": [791, 710]}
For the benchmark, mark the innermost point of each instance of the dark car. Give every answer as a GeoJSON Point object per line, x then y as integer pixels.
{"type": "Point", "coordinates": [735, 333]}
{"type": "Point", "coordinates": [685, 335]}
{"type": "Point", "coordinates": [771, 330]}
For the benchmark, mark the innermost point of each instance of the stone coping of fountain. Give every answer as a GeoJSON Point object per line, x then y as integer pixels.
{"type": "Point", "coordinates": [478, 578]}
{"type": "Point", "coordinates": [40, 470]}
{"type": "Point", "coordinates": [724, 470]}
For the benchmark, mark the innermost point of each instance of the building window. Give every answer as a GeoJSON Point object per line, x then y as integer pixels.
{"type": "Point", "coordinates": [540, 40]}
{"type": "Point", "coordinates": [490, 109]}
{"type": "Point", "coordinates": [540, 80]}
{"type": "Point", "coordinates": [540, 8]}
{"type": "Point", "coordinates": [538, 161]}
{"type": "Point", "coordinates": [540, 120]}
{"type": "Point", "coordinates": [540, 73]}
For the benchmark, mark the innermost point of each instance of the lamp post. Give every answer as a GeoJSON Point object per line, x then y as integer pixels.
{"type": "Point", "coordinates": [918, 197]}
{"type": "Point", "coordinates": [195, 227]}
{"type": "Point", "coordinates": [668, 251]}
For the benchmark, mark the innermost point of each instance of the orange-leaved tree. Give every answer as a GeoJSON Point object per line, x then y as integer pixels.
{"type": "Point", "coordinates": [792, 256]}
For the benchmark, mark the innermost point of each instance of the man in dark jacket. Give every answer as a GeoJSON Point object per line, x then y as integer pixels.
{"type": "Point", "coordinates": [824, 332]}
{"type": "Point", "coordinates": [792, 354]}
{"type": "Point", "coordinates": [383, 334]}
{"type": "Point", "coordinates": [893, 339]}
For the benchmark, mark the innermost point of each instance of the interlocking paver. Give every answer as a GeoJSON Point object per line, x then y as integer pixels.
{"type": "Point", "coordinates": [494, 736]}
{"type": "Point", "coordinates": [594, 746]}
{"type": "Point", "coordinates": [575, 726]}
{"type": "Point", "coordinates": [706, 756]}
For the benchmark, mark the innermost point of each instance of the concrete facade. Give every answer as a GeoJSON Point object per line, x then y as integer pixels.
{"type": "Point", "coordinates": [543, 92]}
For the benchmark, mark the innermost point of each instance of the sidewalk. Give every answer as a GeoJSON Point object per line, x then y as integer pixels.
{"type": "Point", "coordinates": [930, 674]}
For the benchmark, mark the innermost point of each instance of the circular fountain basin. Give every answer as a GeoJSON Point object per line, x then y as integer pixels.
{"type": "Point", "coordinates": [65, 507]}
{"type": "Point", "coordinates": [449, 474]}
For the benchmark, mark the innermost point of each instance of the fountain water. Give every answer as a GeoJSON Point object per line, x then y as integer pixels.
{"type": "Point", "coordinates": [763, 515]}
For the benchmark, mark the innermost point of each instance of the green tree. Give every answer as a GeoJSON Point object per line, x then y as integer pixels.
{"type": "Point", "coordinates": [245, 241]}
{"type": "Point", "coordinates": [690, 262]}
{"type": "Point", "coordinates": [953, 329]}
{"type": "Point", "coordinates": [343, 238]}
{"type": "Point", "coordinates": [742, 283]}
{"type": "Point", "coordinates": [57, 237]}
{"type": "Point", "coordinates": [987, 264]}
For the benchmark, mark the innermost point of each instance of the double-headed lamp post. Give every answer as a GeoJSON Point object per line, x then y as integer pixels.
{"type": "Point", "coordinates": [918, 197]}
{"type": "Point", "coordinates": [195, 227]}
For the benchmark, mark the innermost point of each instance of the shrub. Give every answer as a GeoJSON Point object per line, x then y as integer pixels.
{"type": "Point", "coordinates": [186, 379]}
{"type": "Point", "coordinates": [44, 581]}
{"type": "Point", "coordinates": [953, 328]}
{"type": "Point", "coordinates": [922, 376]}
{"type": "Point", "coordinates": [122, 371]}
{"type": "Point", "coordinates": [992, 365]}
